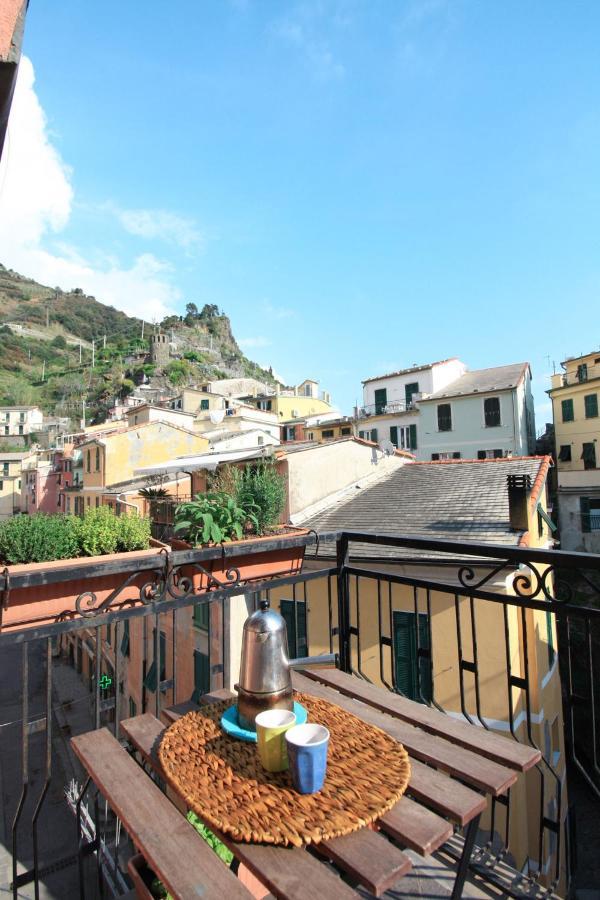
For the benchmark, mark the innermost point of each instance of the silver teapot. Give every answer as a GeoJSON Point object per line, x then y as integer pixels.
{"type": "Point", "coordinates": [265, 668]}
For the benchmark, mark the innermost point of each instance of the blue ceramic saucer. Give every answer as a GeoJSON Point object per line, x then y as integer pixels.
{"type": "Point", "coordinates": [231, 726]}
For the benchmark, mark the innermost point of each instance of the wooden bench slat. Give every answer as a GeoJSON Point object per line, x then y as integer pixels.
{"type": "Point", "coordinates": [162, 834]}
{"type": "Point", "coordinates": [415, 826]}
{"type": "Point", "coordinates": [368, 857]}
{"type": "Point", "coordinates": [288, 873]}
{"type": "Point", "coordinates": [482, 773]}
{"type": "Point", "coordinates": [494, 746]}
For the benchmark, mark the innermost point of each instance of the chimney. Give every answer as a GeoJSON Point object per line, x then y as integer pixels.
{"type": "Point", "coordinates": [519, 488]}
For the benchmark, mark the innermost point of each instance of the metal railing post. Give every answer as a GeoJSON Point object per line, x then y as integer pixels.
{"type": "Point", "coordinates": [343, 603]}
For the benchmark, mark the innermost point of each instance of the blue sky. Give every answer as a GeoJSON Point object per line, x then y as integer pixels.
{"type": "Point", "coordinates": [360, 184]}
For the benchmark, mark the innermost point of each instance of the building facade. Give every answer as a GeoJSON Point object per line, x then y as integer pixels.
{"type": "Point", "coordinates": [575, 396]}
{"type": "Point", "coordinates": [484, 414]}
{"type": "Point", "coordinates": [19, 421]}
{"type": "Point", "coordinates": [11, 482]}
{"type": "Point", "coordinates": [390, 411]}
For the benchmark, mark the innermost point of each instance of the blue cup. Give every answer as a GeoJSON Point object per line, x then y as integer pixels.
{"type": "Point", "coordinates": [307, 747]}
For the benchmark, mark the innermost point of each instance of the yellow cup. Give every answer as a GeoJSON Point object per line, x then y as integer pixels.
{"type": "Point", "coordinates": [271, 727]}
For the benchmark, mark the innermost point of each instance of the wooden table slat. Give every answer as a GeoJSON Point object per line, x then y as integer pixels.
{"type": "Point", "coordinates": [494, 746]}
{"type": "Point", "coordinates": [289, 873]}
{"type": "Point", "coordinates": [368, 857]}
{"type": "Point", "coordinates": [482, 773]}
{"type": "Point", "coordinates": [156, 827]}
{"type": "Point", "coordinates": [415, 826]}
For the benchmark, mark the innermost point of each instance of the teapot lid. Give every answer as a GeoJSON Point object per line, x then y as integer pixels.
{"type": "Point", "coordinates": [265, 620]}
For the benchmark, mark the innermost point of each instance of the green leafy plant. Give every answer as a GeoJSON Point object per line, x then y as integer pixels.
{"type": "Point", "coordinates": [39, 538]}
{"type": "Point", "coordinates": [98, 532]}
{"type": "Point", "coordinates": [263, 489]}
{"type": "Point", "coordinates": [214, 518]}
{"type": "Point", "coordinates": [211, 839]}
{"type": "Point", "coordinates": [133, 533]}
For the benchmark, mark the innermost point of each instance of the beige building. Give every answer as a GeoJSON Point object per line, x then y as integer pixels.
{"type": "Point", "coordinates": [11, 481]}
{"type": "Point", "coordinates": [147, 412]}
{"type": "Point", "coordinates": [575, 396]}
{"type": "Point", "coordinates": [19, 421]}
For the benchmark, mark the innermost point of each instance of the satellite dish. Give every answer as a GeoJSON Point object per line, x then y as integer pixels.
{"type": "Point", "coordinates": [217, 416]}
{"type": "Point", "coordinates": [387, 448]}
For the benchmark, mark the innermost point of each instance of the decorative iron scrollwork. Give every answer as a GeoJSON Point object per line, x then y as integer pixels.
{"type": "Point", "coordinates": [466, 576]}
{"type": "Point", "coordinates": [180, 585]}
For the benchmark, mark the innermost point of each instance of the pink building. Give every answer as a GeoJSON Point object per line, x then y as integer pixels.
{"type": "Point", "coordinates": [44, 480]}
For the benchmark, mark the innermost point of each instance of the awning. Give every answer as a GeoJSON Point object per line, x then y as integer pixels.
{"type": "Point", "coordinates": [207, 461]}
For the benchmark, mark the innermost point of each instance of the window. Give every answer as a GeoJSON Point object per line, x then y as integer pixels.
{"type": "Point", "coordinates": [311, 436]}
{"type": "Point", "coordinates": [591, 406]}
{"type": "Point", "coordinates": [589, 456]}
{"type": "Point", "coordinates": [346, 431]}
{"type": "Point", "coordinates": [201, 616]}
{"type": "Point", "coordinates": [151, 681]}
{"type": "Point", "coordinates": [394, 435]}
{"type": "Point", "coordinates": [6, 429]}
{"type": "Point", "coordinates": [19, 484]}
{"type": "Point", "coordinates": [582, 372]}
{"type": "Point", "coordinates": [565, 453]}
{"type": "Point", "coordinates": [260, 441]}
{"type": "Point", "coordinates": [454, 454]}
{"type": "Point", "coordinates": [88, 461]}
{"type": "Point", "coordinates": [567, 410]}
{"type": "Point", "coordinates": [444, 417]}
{"type": "Point", "coordinates": [412, 441]}
{"type": "Point", "coordinates": [5, 468]}
{"type": "Point", "coordinates": [204, 404]}
{"type": "Point", "coordinates": [21, 417]}
{"type": "Point", "coordinates": [361, 435]}
{"type": "Point", "coordinates": [135, 420]}
{"type": "Point", "coordinates": [265, 405]}
{"type": "Point", "coordinates": [97, 502]}
{"type": "Point", "coordinates": [201, 675]}
{"type": "Point", "coordinates": [590, 514]}
{"type": "Point", "coordinates": [412, 669]}
{"type": "Point", "coordinates": [327, 434]}
{"type": "Point", "coordinates": [374, 437]}
{"type": "Point", "coordinates": [294, 613]}
{"type": "Point", "coordinates": [380, 400]}
{"type": "Point", "coordinates": [409, 391]}
{"type": "Point", "coordinates": [20, 429]}
{"type": "Point", "coordinates": [125, 638]}
{"type": "Point", "coordinates": [97, 459]}
{"type": "Point", "coordinates": [491, 410]}
{"type": "Point", "coordinates": [132, 708]}
{"type": "Point", "coordinates": [1, 485]}
{"type": "Point", "coordinates": [498, 453]}
{"type": "Point", "coordinates": [89, 501]}
{"type": "Point", "coordinates": [109, 634]}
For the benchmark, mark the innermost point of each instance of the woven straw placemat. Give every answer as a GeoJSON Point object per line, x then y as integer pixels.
{"type": "Point", "coordinates": [223, 782]}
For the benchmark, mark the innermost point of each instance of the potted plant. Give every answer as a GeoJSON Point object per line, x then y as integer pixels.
{"type": "Point", "coordinates": [249, 510]}
{"type": "Point", "coordinates": [61, 566]}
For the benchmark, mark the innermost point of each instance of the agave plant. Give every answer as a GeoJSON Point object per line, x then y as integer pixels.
{"type": "Point", "coordinates": [214, 518]}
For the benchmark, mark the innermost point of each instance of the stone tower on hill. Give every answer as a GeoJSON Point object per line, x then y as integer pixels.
{"type": "Point", "coordinates": [159, 350]}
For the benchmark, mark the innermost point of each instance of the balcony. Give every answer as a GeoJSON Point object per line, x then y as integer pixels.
{"type": "Point", "coordinates": [486, 634]}
{"type": "Point", "coordinates": [383, 409]}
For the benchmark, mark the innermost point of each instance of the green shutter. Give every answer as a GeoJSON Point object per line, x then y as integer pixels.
{"type": "Point", "coordinates": [550, 639]}
{"type": "Point", "coordinates": [150, 679]}
{"type": "Point", "coordinates": [201, 675]}
{"type": "Point", "coordinates": [201, 616]}
{"type": "Point", "coordinates": [361, 435]}
{"type": "Point", "coordinates": [412, 437]}
{"type": "Point", "coordinates": [295, 612]}
{"type": "Point", "coordinates": [380, 400]}
{"type": "Point", "coordinates": [591, 406]}
{"type": "Point", "coordinates": [406, 658]}
{"type": "Point", "coordinates": [394, 435]}
{"type": "Point", "coordinates": [584, 508]}
{"type": "Point", "coordinates": [132, 708]}
{"type": "Point", "coordinates": [125, 639]}
{"type": "Point", "coordinates": [374, 435]}
{"type": "Point", "coordinates": [424, 661]}
{"type": "Point", "coordinates": [567, 410]}
{"type": "Point", "coordinates": [409, 390]}
{"type": "Point", "coordinates": [204, 404]}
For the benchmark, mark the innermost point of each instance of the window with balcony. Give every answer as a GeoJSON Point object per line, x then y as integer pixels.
{"type": "Point", "coordinates": [567, 410]}
{"type": "Point", "coordinates": [380, 400]}
{"type": "Point", "coordinates": [409, 391]}
{"type": "Point", "coordinates": [590, 402]}
{"type": "Point", "coordinates": [444, 417]}
{"type": "Point", "coordinates": [589, 456]}
{"type": "Point", "coordinates": [565, 453]}
{"type": "Point", "coordinates": [491, 411]}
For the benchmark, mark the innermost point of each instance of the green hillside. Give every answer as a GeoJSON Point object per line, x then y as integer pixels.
{"type": "Point", "coordinates": [46, 354]}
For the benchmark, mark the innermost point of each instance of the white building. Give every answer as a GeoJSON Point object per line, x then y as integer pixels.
{"type": "Point", "coordinates": [483, 414]}
{"type": "Point", "coordinates": [16, 421]}
{"type": "Point", "coordinates": [389, 411]}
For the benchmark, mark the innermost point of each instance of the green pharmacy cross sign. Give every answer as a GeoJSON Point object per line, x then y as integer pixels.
{"type": "Point", "coordinates": [105, 682]}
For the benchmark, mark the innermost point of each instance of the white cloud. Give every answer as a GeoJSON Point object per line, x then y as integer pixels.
{"type": "Point", "coordinates": [162, 224]}
{"type": "Point", "coordinates": [251, 342]}
{"type": "Point", "coordinates": [36, 199]}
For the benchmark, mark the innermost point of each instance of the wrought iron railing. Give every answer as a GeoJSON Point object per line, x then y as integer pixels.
{"type": "Point", "coordinates": [496, 635]}
{"type": "Point", "coordinates": [380, 409]}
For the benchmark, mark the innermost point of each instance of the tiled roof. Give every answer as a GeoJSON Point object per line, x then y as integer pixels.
{"type": "Point", "coordinates": [462, 500]}
{"type": "Point", "coordinates": [500, 378]}
{"type": "Point", "coordinates": [440, 362]}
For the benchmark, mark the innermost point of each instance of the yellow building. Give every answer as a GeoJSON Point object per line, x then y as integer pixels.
{"type": "Point", "coordinates": [112, 459]}
{"type": "Point", "coordinates": [405, 635]}
{"type": "Point", "coordinates": [289, 406]}
{"type": "Point", "coordinates": [575, 396]}
{"type": "Point", "coordinates": [11, 475]}
{"type": "Point", "coordinates": [328, 430]}
{"type": "Point", "coordinates": [196, 400]}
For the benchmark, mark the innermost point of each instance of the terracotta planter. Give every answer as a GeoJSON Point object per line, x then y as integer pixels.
{"type": "Point", "coordinates": [42, 593]}
{"type": "Point", "coordinates": [141, 875]}
{"type": "Point", "coordinates": [258, 566]}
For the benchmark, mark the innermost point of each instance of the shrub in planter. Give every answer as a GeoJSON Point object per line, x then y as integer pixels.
{"type": "Point", "coordinates": [39, 538]}
{"type": "Point", "coordinates": [98, 533]}
{"type": "Point", "coordinates": [133, 533]}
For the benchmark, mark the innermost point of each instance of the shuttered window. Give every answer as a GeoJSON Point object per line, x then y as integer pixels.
{"type": "Point", "coordinates": [380, 400]}
{"type": "Point", "coordinates": [591, 406]}
{"type": "Point", "coordinates": [125, 639]}
{"type": "Point", "coordinates": [201, 616]}
{"type": "Point", "coordinates": [435, 456]}
{"type": "Point", "coordinates": [491, 411]}
{"type": "Point", "coordinates": [444, 417]}
{"type": "Point", "coordinates": [565, 453]}
{"type": "Point", "coordinates": [204, 404]}
{"type": "Point", "coordinates": [394, 435]}
{"type": "Point", "coordinates": [412, 675]}
{"type": "Point", "coordinates": [413, 437]}
{"type": "Point", "coordinates": [151, 680]}
{"type": "Point", "coordinates": [201, 675]}
{"type": "Point", "coordinates": [584, 508]}
{"type": "Point", "coordinates": [374, 435]}
{"type": "Point", "coordinates": [294, 614]}
{"type": "Point", "coordinates": [567, 410]}
{"type": "Point", "coordinates": [589, 456]}
{"type": "Point", "coordinates": [409, 391]}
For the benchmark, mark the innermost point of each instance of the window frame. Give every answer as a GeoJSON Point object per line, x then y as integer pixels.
{"type": "Point", "coordinates": [590, 401]}
{"type": "Point", "coordinates": [439, 418]}
{"type": "Point", "coordinates": [567, 404]}
{"type": "Point", "coordinates": [492, 414]}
